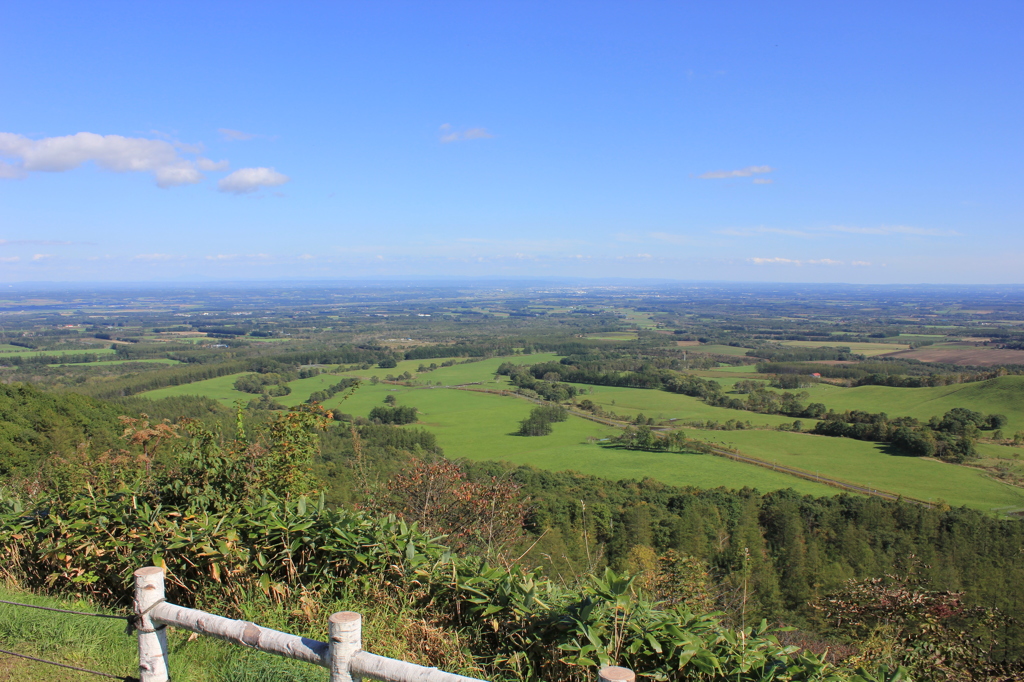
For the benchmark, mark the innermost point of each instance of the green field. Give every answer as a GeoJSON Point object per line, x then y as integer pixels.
{"type": "Point", "coordinates": [613, 336]}
{"type": "Point", "coordinates": [663, 405]}
{"type": "Point", "coordinates": [479, 426]}
{"type": "Point", "coordinates": [869, 464]}
{"type": "Point", "coordinates": [23, 353]}
{"type": "Point", "coordinates": [220, 388]}
{"type": "Point", "coordinates": [100, 363]}
{"type": "Point", "coordinates": [1002, 395]}
{"type": "Point", "coordinates": [749, 369]}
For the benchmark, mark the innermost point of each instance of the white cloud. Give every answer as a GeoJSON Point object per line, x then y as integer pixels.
{"type": "Point", "coordinates": [208, 165]}
{"type": "Point", "coordinates": [763, 181]}
{"type": "Point", "coordinates": [236, 135]}
{"type": "Point", "coordinates": [860, 263]}
{"type": "Point", "coordinates": [246, 180]}
{"type": "Point", "coordinates": [10, 259]}
{"type": "Point", "coordinates": [741, 173]}
{"type": "Point", "coordinates": [110, 152]}
{"type": "Point", "coordinates": [449, 134]}
{"type": "Point", "coordinates": [9, 171]}
{"type": "Point", "coordinates": [153, 256]}
{"type": "Point", "coordinates": [42, 256]}
{"type": "Point", "coordinates": [223, 256]}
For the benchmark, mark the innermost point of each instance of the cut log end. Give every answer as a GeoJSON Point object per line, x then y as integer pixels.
{"type": "Point", "coordinates": [614, 673]}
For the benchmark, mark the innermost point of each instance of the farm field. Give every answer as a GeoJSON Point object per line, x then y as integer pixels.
{"type": "Point", "coordinates": [1002, 395]}
{"type": "Point", "coordinates": [869, 464]}
{"type": "Point", "coordinates": [868, 349]}
{"type": "Point", "coordinates": [964, 354]}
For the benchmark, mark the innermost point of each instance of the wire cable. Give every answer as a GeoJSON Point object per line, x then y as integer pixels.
{"type": "Point", "coordinates": [124, 678]}
{"type": "Point", "coordinates": [77, 613]}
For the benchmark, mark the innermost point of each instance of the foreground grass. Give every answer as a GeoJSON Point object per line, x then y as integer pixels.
{"type": "Point", "coordinates": [390, 628]}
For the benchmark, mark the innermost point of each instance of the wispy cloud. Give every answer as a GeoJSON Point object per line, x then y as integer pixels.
{"type": "Point", "coordinates": [248, 180]}
{"type": "Point", "coordinates": [450, 134]}
{"type": "Point", "coordinates": [236, 135]}
{"type": "Point", "coordinates": [895, 229]}
{"type": "Point", "coordinates": [42, 256]}
{"type": "Point", "coordinates": [670, 238]}
{"type": "Point", "coordinates": [10, 259]}
{"type": "Point", "coordinates": [153, 256]}
{"type": "Point", "coordinates": [741, 173]}
{"type": "Point", "coordinates": [763, 181]}
{"type": "Point", "coordinates": [37, 242]}
{"type": "Point", "coordinates": [797, 263]}
{"type": "Point", "coordinates": [754, 231]}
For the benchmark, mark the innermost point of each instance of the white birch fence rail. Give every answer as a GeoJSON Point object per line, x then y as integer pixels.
{"type": "Point", "coordinates": [343, 655]}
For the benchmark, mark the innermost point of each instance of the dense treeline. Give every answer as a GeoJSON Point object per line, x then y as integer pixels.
{"type": "Point", "coordinates": [890, 372]}
{"type": "Point", "coordinates": [332, 390]}
{"type": "Point", "coordinates": [538, 422]}
{"type": "Point", "coordinates": [462, 349]}
{"type": "Point", "coordinates": [793, 354]}
{"type": "Point", "coordinates": [950, 437]}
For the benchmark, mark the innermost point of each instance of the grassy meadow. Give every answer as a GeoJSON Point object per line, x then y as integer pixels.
{"type": "Point", "coordinates": [1002, 395]}
{"type": "Point", "coordinates": [663, 405]}
{"type": "Point", "coordinates": [873, 465]}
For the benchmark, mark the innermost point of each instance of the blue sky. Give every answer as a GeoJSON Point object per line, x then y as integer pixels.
{"type": "Point", "coordinates": [749, 141]}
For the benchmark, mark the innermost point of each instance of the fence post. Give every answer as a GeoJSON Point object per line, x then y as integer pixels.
{"type": "Point", "coordinates": [149, 591]}
{"type": "Point", "coordinates": [346, 640]}
{"type": "Point", "coordinates": [614, 673]}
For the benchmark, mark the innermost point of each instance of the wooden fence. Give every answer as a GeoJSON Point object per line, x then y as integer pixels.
{"type": "Point", "coordinates": [343, 655]}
